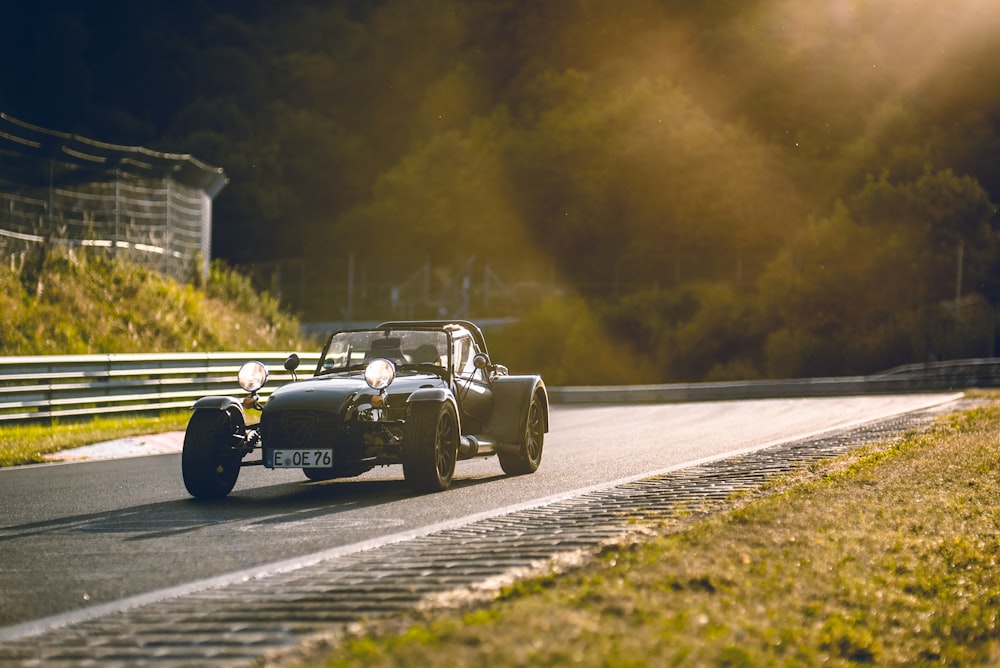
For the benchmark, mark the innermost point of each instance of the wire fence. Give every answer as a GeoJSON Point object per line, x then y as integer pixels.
{"type": "Point", "coordinates": [163, 225]}
{"type": "Point", "coordinates": [58, 189]}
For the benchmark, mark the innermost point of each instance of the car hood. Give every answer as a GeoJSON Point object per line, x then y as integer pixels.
{"type": "Point", "coordinates": [332, 392]}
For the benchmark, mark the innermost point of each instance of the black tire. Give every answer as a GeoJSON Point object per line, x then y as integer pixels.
{"type": "Point", "coordinates": [431, 447]}
{"type": "Point", "coordinates": [208, 463]}
{"type": "Point", "coordinates": [529, 455]}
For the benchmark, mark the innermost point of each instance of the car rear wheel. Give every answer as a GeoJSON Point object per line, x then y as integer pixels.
{"type": "Point", "coordinates": [431, 447]}
{"type": "Point", "coordinates": [208, 463]}
{"type": "Point", "coordinates": [529, 455]}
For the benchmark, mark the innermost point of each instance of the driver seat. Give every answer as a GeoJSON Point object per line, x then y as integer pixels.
{"type": "Point", "coordinates": [388, 348]}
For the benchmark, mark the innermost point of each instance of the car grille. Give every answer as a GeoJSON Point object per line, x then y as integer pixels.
{"type": "Point", "coordinates": [300, 429]}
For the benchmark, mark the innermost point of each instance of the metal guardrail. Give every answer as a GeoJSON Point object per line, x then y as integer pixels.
{"type": "Point", "coordinates": [74, 386]}
{"type": "Point", "coordinates": [944, 376]}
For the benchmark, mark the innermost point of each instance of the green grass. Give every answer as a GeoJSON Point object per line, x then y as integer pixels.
{"type": "Point", "coordinates": [92, 303]}
{"type": "Point", "coordinates": [886, 556]}
{"type": "Point", "coordinates": [29, 443]}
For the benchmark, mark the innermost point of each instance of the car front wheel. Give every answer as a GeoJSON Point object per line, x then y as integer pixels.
{"type": "Point", "coordinates": [529, 455]}
{"type": "Point", "coordinates": [431, 447]}
{"type": "Point", "coordinates": [208, 463]}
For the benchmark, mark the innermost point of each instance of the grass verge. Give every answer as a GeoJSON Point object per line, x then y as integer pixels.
{"type": "Point", "coordinates": [29, 443]}
{"type": "Point", "coordinates": [885, 556]}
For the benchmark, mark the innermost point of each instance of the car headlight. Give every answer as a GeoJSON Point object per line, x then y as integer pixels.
{"type": "Point", "coordinates": [252, 376]}
{"type": "Point", "coordinates": [380, 373]}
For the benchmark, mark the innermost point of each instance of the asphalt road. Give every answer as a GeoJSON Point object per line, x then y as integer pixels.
{"type": "Point", "coordinates": [77, 535]}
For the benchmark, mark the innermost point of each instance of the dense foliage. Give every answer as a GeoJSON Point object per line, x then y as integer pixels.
{"type": "Point", "coordinates": [726, 189]}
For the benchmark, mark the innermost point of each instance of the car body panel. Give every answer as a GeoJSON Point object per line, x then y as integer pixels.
{"type": "Point", "coordinates": [217, 403]}
{"type": "Point", "coordinates": [512, 396]}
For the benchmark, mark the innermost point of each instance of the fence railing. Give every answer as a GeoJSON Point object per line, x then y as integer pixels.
{"type": "Point", "coordinates": [60, 189]}
{"type": "Point", "coordinates": [931, 377]}
{"type": "Point", "coordinates": [162, 225]}
{"type": "Point", "coordinates": [75, 386]}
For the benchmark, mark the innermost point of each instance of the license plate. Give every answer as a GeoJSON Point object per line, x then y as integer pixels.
{"type": "Point", "coordinates": [298, 459]}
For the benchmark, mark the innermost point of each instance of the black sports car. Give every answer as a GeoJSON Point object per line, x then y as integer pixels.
{"type": "Point", "coordinates": [423, 394]}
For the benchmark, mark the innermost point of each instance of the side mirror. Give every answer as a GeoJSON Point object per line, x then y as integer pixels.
{"type": "Point", "coordinates": [291, 364]}
{"type": "Point", "coordinates": [481, 361]}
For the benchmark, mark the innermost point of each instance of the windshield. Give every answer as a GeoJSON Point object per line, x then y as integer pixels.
{"type": "Point", "coordinates": [400, 346]}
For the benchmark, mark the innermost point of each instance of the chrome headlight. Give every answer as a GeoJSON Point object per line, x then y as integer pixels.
{"type": "Point", "coordinates": [252, 376]}
{"type": "Point", "coordinates": [380, 373]}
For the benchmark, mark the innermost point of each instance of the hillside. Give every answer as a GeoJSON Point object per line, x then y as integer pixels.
{"type": "Point", "coordinates": [81, 303]}
{"type": "Point", "coordinates": [725, 190]}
